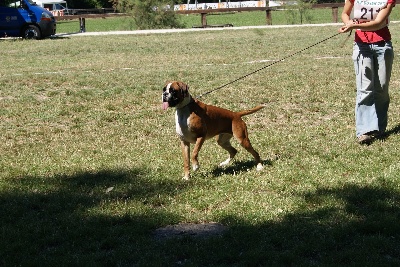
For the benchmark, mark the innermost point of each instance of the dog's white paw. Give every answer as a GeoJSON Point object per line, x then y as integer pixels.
{"type": "Point", "coordinates": [259, 167]}
{"type": "Point", "coordinates": [186, 177]}
{"type": "Point", "coordinates": [195, 167]}
{"type": "Point", "coordinates": [226, 162]}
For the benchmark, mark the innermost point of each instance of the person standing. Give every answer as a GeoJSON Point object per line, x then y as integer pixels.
{"type": "Point", "coordinates": [373, 59]}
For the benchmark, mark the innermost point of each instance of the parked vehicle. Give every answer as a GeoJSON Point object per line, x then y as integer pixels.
{"type": "Point", "coordinates": [26, 19]}
{"type": "Point", "coordinates": [56, 7]}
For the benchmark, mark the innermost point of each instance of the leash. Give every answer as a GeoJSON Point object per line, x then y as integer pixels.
{"type": "Point", "coordinates": [347, 38]}
{"type": "Point", "coordinates": [269, 65]}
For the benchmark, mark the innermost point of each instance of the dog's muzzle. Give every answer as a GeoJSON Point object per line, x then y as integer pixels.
{"type": "Point", "coordinates": [170, 99]}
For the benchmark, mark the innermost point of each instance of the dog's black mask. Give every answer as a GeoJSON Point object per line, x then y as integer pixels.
{"type": "Point", "coordinates": [172, 97]}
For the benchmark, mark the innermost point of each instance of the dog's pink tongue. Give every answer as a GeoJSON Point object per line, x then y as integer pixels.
{"type": "Point", "coordinates": [165, 105]}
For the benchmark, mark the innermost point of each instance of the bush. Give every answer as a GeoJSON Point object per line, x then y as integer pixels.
{"type": "Point", "coordinates": [150, 14]}
{"type": "Point", "coordinates": [302, 11]}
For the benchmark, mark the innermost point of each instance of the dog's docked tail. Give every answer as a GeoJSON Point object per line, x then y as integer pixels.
{"type": "Point", "coordinates": [250, 111]}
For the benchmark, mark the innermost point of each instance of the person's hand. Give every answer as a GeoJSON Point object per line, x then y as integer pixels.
{"type": "Point", "coordinates": [348, 26]}
{"type": "Point", "coordinates": [344, 29]}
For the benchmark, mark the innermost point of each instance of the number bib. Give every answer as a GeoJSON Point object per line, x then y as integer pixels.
{"type": "Point", "coordinates": [366, 10]}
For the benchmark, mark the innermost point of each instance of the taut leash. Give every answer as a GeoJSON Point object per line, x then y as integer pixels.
{"type": "Point", "coordinates": [269, 65]}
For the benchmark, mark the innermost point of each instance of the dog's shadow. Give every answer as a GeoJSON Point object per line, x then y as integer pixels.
{"type": "Point", "coordinates": [394, 130]}
{"type": "Point", "coordinates": [238, 167]}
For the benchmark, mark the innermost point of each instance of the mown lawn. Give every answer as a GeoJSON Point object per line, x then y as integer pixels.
{"type": "Point", "coordinates": [91, 165]}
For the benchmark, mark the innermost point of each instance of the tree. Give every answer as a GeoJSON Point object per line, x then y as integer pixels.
{"type": "Point", "coordinates": [302, 9]}
{"type": "Point", "coordinates": [149, 14]}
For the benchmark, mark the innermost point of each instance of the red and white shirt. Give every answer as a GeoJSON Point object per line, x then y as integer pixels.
{"type": "Point", "coordinates": [367, 10]}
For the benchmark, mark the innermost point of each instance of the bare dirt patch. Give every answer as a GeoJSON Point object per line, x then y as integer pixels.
{"type": "Point", "coordinates": [202, 230]}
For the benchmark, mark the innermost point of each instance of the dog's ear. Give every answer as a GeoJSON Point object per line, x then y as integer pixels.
{"type": "Point", "coordinates": [166, 85]}
{"type": "Point", "coordinates": [184, 88]}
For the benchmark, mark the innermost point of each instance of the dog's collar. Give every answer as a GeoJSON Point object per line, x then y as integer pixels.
{"type": "Point", "coordinates": [185, 102]}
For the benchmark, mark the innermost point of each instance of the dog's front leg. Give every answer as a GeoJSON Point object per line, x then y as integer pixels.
{"type": "Point", "coordinates": [196, 150]}
{"type": "Point", "coordinates": [186, 159]}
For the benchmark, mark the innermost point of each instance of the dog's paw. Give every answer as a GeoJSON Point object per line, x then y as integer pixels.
{"type": "Point", "coordinates": [186, 177]}
{"type": "Point", "coordinates": [196, 167]}
{"type": "Point", "coordinates": [260, 166]}
{"type": "Point", "coordinates": [226, 162]}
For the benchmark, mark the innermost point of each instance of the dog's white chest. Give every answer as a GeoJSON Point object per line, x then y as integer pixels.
{"type": "Point", "coordinates": [182, 125]}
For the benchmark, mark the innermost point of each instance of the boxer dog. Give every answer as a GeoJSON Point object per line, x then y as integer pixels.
{"type": "Point", "coordinates": [197, 122]}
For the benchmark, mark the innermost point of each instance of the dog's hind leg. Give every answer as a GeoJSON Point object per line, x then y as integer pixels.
{"type": "Point", "coordinates": [224, 141]}
{"type": "Point", "coordinates": [242, 136]}
{"type": "Point", "coordinates": [247, 145]}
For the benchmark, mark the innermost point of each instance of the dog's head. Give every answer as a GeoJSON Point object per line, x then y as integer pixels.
{"type": "Point", "coordinates": [175, 94]}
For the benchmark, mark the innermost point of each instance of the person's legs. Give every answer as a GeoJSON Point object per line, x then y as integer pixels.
{"type": "Point", "coordinates": [384, 62]}
{"type": "Point", "coordinates": [365, 111]}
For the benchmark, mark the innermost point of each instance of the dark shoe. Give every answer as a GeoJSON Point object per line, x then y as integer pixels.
{"type": "Point", "coordinates": [367, 138]}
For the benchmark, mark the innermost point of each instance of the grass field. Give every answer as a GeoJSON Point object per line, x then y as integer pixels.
{"type": "Point", "coordinates": [90, 164]}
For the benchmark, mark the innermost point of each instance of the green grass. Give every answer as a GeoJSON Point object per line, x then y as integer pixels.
{"type": "Point", "coordinates": [90, 165]}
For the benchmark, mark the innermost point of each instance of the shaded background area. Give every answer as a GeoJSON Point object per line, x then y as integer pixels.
{"type": "Point", "coordinates": [63, 222]}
